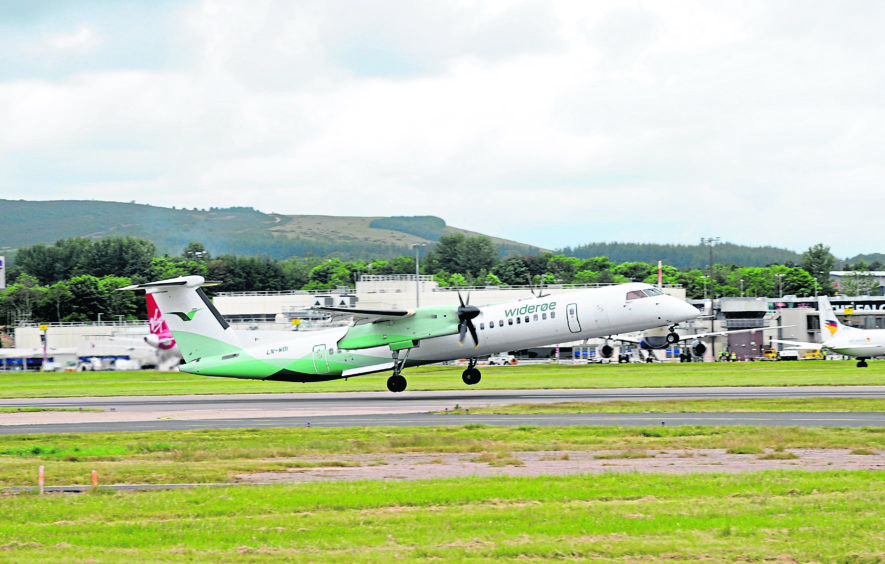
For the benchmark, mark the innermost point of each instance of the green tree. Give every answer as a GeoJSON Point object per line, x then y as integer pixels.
{"type": "Point", "coordinates": [402, 265]}
{"type": "Point", "coordinates": [57, 299]}
{"type": "Point", "coordinates": [88, 299]}
{"type": "Point", "coordinates": [461, 254]}
{"type": "Point", "coordinates": [22, 298]}
{"type": "Point", "coordinates": [818, 261]}
{"type": "Point", "coordinates": [328, 275]}
{"type": "Point", "coordinates": [512, 271]}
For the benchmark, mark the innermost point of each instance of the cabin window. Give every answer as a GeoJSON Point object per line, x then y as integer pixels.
{"type": "Point", "coordinates": [536, 317]}
{"type": "Point", "coordinates": [518, 320]}
{"type": "Point", "coordinates": [509, 321]}
{"type": "Point", "coordinates": [544, 315]}
{"type": "Point", "coordinates": [482, 326]}
{"type": "Point", "coordinates": [526, 318]}
{"type": "Point", "coordinates": [500, 323]}
{"type": "Point", "coordinates": [552, 315]}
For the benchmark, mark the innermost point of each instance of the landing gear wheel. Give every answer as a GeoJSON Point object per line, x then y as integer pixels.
{"type": "Point", "coordinates": [471, 376]}
{"type": "Point", "coordinates": [396, 383]}
{"type": "Point", "coordinates": [862, 363]}
{"type": "Point", "coordinates": [672, 338]}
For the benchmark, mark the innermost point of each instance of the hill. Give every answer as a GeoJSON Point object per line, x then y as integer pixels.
{"type": "Point", "coordinates": [685, 257]}
{"type": "Point", "coordinates": [238, 230]}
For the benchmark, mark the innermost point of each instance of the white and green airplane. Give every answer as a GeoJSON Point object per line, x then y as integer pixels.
{"type": "Point", "coordinates": [382, 340]}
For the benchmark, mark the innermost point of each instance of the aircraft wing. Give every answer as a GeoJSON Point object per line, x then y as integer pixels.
{"type": "Point", "coordinates": [732, 331]}
{"type": "Point", "coordinates": [802, 344]}
{"type": "Point", "coordinates": [692, 337]}
{"type": "Point", "coordinates": [623, 339]}
{"type": "Point", "coordinates": [368, 315]}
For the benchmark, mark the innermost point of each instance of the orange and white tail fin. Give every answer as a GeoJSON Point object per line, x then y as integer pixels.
{"type": "Point", "coordinates": [829, 323]}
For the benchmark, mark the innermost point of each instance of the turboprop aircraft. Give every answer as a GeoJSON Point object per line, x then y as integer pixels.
{"type": "Point", "coordinates": [862, 344]}
{"type": "Point", "coordinates": [382, 340]}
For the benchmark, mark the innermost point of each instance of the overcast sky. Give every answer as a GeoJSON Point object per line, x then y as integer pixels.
{"type": "Point", "coordinates": [551, 123]}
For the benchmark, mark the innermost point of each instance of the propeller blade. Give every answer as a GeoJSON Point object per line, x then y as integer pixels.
{"type": "Point", "coordinates": [473, 334]}
{"type": "Point", "coordinates": [466, 313]}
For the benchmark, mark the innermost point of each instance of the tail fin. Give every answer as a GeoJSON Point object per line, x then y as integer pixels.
{"type": "Point", "coordinates": [198, 328]}
{"type": "Point", "coordinates": [829, 323]}
{"type": "Point", "coordinates": [160, 337]}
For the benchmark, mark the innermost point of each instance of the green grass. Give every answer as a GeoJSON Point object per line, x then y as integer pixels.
{"type": "Point", "coordinates": [218, 456]}
{"type": "Point", "coordinates": [769, 516]}
{"type": "Point", "coordinates": [845, 405]}
{"type": "Point", "coordinates": [526, 376]}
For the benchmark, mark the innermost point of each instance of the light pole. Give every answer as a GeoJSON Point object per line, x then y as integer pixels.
{"type": "Point", "coordinates": [742, 287]}
{"type": "Point", "coordinates": [417, 270]}
{"type": "Point", "coordinates": [99, 318]}
{"type": "Point", "coordinates": [704, 281]}
{"type": "Point", "coordinates": [780, 285]}
{"type": "Point", "coordinates": [710, 241]}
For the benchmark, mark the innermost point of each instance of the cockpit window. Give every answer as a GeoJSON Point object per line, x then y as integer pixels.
{"type": "Point", "coordinates": [648, 293]}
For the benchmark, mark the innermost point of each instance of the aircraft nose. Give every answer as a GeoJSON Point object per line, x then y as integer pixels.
{"type": "Point", "coordinates": [681, 310]}
{"type": "Point", "coordinates": [690, 312]}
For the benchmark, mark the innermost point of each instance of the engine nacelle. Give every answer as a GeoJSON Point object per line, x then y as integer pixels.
{"type": "Point", "coordinates": [607, 351]}
{"type": "Point", "coordinates": [156, 342]}
{"type": "Point", "coordinates": [698, 348]}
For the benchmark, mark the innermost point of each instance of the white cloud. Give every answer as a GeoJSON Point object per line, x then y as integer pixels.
{"type": "Point", "coordinates": [83, 39]}
{"type": "Point", "coordinates": [551, 123]}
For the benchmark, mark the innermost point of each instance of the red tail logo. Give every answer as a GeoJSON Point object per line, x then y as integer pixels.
{"type": "Point", "coordinates": [157, 325]}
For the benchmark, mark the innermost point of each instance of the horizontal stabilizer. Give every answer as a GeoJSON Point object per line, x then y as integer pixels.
{"type": "Point", "coordinates": [188, 281]}
{"type": "Point", "coordinates": [368, 314]}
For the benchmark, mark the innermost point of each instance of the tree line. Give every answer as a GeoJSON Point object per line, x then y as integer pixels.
{"type": "Point", "coordinates": [76, 279]}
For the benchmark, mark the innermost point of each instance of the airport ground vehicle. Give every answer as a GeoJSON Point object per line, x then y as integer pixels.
{"type": "Point", "coordinates": [502, 359]}
{"type": "Point", "coordinates": [788, 354]}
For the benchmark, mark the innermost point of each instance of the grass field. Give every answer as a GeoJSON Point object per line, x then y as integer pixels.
{"type": "Point", "coordinates": [217, 456]}
{"type": "Point", "coordinates": [529, 376]}
{"type": "Point", "coordinates": [774, 516]}
{"type": "Point", "coordinates": [740, 405]}
{"type": "Point", "coordinates": [771, 517]}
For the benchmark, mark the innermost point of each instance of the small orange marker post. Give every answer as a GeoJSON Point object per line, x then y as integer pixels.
{"type": "Point", "coordinates": [40, 479]}
{"type": "Point", "coordinates": [94, 479]}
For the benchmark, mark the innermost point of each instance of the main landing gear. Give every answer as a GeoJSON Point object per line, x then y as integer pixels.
{"type": "Point", "coordinates": [861, 362]}
{"type": "Point", "coordinates": [397, 382]}
{"type": "Point", "coordinates": [471, 374]}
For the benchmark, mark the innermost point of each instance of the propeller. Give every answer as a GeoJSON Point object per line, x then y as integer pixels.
{"type": "Point", "coordinates": [541, 293]}
{"type": "Point", "coordinates": [466, 313]}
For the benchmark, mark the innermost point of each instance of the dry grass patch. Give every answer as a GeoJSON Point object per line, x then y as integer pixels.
{"type": "Point", "coordinates": [627, 454]}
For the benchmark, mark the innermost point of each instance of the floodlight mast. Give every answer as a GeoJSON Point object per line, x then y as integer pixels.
{"type": "Point", "coordinates": [710, 241]}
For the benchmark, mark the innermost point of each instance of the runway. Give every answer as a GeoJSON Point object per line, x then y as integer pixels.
{"type": "Point", "coordinates": [408, 409]}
